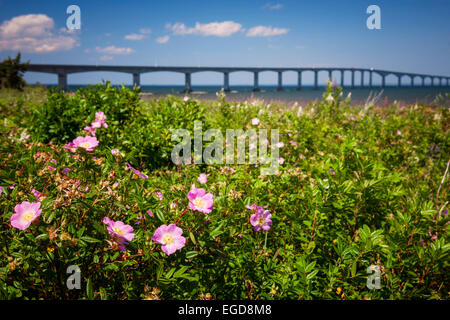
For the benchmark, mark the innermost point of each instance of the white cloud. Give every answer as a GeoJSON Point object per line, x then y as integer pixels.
{"type": "Point", "coordinates": [218, 29]}
{"type": "Point", "coordinates": [106, 58]}
{"type": "Point", "coordinates": [145, 31]}
{"type": "Point", "coordinates": [270, 6]}
{"type": "Point", "coordinates": [263, 31]}
{"type": "Point", "coordinates": [34, 33]}
{"type": "Point", "coordinates": [135, 36]}
{"type": "Point", "coordinates": [114, 50]}
{"type": "Point", "coordinates": [31, 25]}
{"type": "Point", "coordinates": [163, 39]}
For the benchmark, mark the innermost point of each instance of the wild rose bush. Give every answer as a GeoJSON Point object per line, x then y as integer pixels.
{"type": "Point", "coordinates": [356, 187]}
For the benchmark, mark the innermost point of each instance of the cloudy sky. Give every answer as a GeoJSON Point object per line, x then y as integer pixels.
{"type": "Point", "coordinates": [414, 36]}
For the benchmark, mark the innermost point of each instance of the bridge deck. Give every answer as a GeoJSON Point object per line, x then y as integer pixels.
{"type": "Point", "coordinates": [63, 70]}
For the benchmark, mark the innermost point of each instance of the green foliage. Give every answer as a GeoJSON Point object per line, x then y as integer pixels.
{"type": "Point", "coordinates": [62, 117]}
{"type": "Point", "coordinates": [358, 187]}
{"type": "Point", "coordinates": [148, 139]}
{"type": "Point", "coordinates": [11, 72]}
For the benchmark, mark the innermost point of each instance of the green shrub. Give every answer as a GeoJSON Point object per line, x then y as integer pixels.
{"type": "Point", "coordinates": [63, 116]}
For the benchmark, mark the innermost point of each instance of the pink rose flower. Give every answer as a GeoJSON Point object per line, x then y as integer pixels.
{"type": "Point", "coordinates": [25, 214]}
{"type": "Point", "coordinates": [170, 238]}
{"type": "Point", "coordinates": [159, 195]}
{"type": "Point", "coordinates": [87, 143]}
{"type": "Point", "coordinates": [121, 232]}
{"type": "Point", "coordinates": [202, 179]}
{"type": "Point", "coordinates": [255, 121]}
{"type": "Point", "coordinates": [200, 201]}
{"type": "Point", "coordinates": [99, 120]}
{"type": "Point", "coordinates": [261, 220]}
{"type": "Point", "coordinates": [100, 115]}
{"type": "Point", "coordinates": [90, 129]}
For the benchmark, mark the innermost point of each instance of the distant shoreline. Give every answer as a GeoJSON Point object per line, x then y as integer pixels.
{"type": "Point", "coordinates": [290, 96]}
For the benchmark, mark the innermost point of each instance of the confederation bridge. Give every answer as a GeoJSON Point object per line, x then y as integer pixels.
{"type": "Point", "coordinates": [64, 70]}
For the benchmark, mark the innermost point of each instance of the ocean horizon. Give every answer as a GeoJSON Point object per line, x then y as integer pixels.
{"type": "Point", "coordinates": [290, 94]}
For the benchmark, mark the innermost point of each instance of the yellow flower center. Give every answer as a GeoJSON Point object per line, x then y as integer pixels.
{"type": "Point", "coordinates": [85, 145]}
{"type": "Point", "coordinates": [261, 221]}
{"type": "Point", "coordinates": [167, 238]}
{"type": "Point", "coordinates": [198, 202]}
{"type": "Point", "coordinates": [28, 215]}
{"type": "Point", "coordinates": [118, 230]}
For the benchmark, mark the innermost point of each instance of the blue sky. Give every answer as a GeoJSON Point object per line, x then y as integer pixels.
{"type": "Point", "coordinates": [414, 36]}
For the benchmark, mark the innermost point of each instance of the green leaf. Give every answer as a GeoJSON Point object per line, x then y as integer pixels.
{"type": "Point", "coordinates": [89, 290]}
{"type": "Point", "coordinates": [191, 254]}
{"type": "Point", "coordinates": [191, 236]}
{"type": "Point", "coordinates": [180, 272]}
{"type": "Point", "coordinates": [42, 236]}
{"type": "Point", "coordinates": [354, 269]}
{"type": "Point", "coordinates": [160, 216]}
{"type": "Point", "coordinates": [312, 274]}
{"type": "Point", "coordinates": [310, 266]}
{"type": "Point", "coordinates": [90, 239]}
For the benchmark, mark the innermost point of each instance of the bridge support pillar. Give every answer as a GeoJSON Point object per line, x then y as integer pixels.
{"type": "Point", "coordinates": [353, 79]}
{"type": "Point", "coordinates": [342, 78]}
{"type": "Point", "coordinates": [187, 82]}
{"type": "Point", "coordinates": [370, 79]}
{"type": "Point", "coordinates": [226, 81]}
{"type": "Point", "coordinates": [299, 81]}
{"type": "Point", "coordinates": [136, 79]}
{"type": "Point", "coordinates": [62, 81]}
{"type": "Point", "coordinates": [383, 81]}
{"type": "Point", "coordinates": [412, 81]}
{"type": "Point", "coordinates": [423, 81]}
{"type": "Point", "coordinates": [280, 81]}
{"type": "Point", "coordinates": [255, 81]}
{"type": "Point", "coordinates": [399, 81]}
{"type": "Point", "coordinates": [316, 80]}
{"type": "Point", "coordinates": [362, 78]}
{"type": "Point", "coordinates": [330, 75]}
